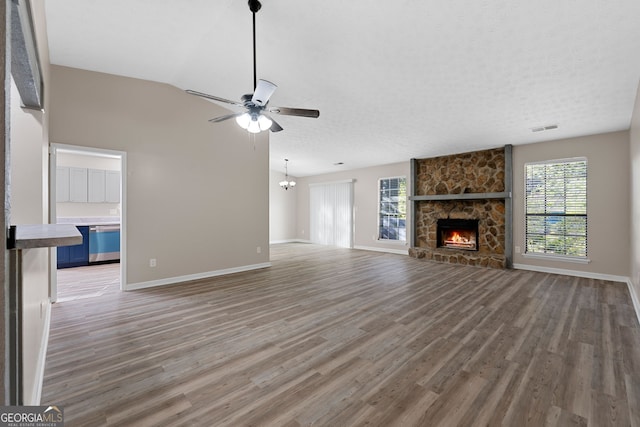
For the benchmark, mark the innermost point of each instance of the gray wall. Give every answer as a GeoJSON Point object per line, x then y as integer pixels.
{"type": "Point", "coordinates": [197, 194]}
{"type": "Point", "coordinates": [607, 200]}
{"type": "Point", "coordinates": [635, 200]}
{"type": "Point", "coordinates": [282, 209]}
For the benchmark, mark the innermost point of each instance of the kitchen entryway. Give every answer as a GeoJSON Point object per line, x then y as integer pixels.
{"type": "Point", "coordinates": [87, 190]}
{"type": "Point", "coordinates": [88, 282]}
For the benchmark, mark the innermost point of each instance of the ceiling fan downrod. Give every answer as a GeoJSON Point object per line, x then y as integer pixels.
{"type": "Point", "coordinates": [254, 7]}
{"type": "Point", "coordinates": [255, 117]}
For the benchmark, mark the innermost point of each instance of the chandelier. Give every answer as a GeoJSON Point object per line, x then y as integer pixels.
{"type": "Point", "coordinates": [286, 184]}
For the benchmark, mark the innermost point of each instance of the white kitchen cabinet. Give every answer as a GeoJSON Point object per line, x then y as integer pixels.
{"type": "Point", "coordinates": [62, 184]}
{"type": "Point", "coordinates": [112, 186]}
{"type": "Point", "coordinates": [96, 185]}
{"type": "Point", "coordinates": [78, 185]}
{"type": "Point", "coordinates": [87, 185]}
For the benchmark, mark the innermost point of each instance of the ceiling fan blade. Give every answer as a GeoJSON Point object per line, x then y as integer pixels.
{"type": "Point", "coordinates": [226, 117]}
{"type": "Point", "coordinates": [275, 127]}
{"type": "Point", "coordinates": [263, 92]}
{"type": "Point", "coordinates": [215, 98]}
{"type": "Point", "coordinates": [300, 112]}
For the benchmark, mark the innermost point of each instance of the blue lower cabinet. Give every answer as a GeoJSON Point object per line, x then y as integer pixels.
{"type": "Point", "coordinates": [77, 255]}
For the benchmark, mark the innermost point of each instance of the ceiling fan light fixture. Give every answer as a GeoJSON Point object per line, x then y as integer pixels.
{"type": "Point", "coordinates": [264, 122]}
{"type": "Point", "coordinates": [254, 125]}
{"type": "Point", "coordinates": [243, 120]}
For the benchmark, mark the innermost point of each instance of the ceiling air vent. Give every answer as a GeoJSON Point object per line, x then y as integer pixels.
{"type": "Point", "coordinates": [543, 128]}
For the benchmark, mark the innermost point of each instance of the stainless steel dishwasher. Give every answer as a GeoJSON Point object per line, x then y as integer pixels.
{"type": "Point", "coordinates": [104, 243]}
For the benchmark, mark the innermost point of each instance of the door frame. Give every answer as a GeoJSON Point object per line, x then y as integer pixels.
{"type": "Point", "coordinates": [53, 163]}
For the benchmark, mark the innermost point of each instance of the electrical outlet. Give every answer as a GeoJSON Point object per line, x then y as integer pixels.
{"type": "Point", "coordinates": [517, 249]}
{"type": "Point", "coordinates": [259, 250]}
{"type": "Point", "coordinates": [152, 262]}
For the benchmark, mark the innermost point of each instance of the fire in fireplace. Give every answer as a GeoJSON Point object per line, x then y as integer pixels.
{"type": "Point", "coordinates": [458, 234]}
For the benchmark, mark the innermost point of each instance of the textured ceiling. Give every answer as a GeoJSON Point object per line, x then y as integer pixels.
{"type": "Point", "coordinates": [392, 80]}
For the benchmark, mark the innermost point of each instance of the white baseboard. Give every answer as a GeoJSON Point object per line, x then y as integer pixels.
{"type": "Point", "coordinates": [36, 395]}
{"type": "Point", "coordinates": [404, 251]}
{"type": "Point", "coordinates": [276, 242]}
{"type": "Point", "coordinates": [387, 250]}
{"type": "Point", "coordinates": [191, 277]}
{"type": "Point", "coordinates": [575, 273]}
{"type": "Point", "coordinates": [634, 298]}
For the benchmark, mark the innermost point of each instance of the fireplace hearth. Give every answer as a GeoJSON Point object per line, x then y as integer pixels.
{"type": "Point", "coordinates": [458, 234]}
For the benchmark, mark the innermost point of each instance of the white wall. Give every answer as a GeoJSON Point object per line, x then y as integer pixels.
{"type": "Point", "coordinates": [365, 192]}
{"type": "Point", "coordinates": [197, 192]}
{"type": "Point", "coordinates": [27, 207]}
{"type": "Point", "coordinates": [634, 137]}
{"type": "Point", "coordinates": [282, 209]}
{"type": "Point", "coordinates": [608, 205]}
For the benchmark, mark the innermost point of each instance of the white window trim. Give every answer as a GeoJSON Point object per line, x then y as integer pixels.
{"type": "Point", "coordinates": [554, 257]}
{"type": "Point", "coordinates": [406, 214]}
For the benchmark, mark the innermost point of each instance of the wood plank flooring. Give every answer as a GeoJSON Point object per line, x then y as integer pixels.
{"type": "Point", "coordinates": [337, 337]}
{"type": "Point", "coordinates": [88, 282]}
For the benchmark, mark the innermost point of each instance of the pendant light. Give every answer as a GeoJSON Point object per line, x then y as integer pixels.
{"type": "Point", "coordinates": [287, 184]}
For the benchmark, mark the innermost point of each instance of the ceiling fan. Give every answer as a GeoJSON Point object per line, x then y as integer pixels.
{"type": "Point", "coordinates": [254, 118]}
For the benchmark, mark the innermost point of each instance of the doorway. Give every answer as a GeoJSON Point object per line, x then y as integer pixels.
{"type": "Point", "coordinates": [87, 188]}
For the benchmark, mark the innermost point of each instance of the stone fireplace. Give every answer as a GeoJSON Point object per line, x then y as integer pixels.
{"type": "Point", "coordinates": [461, 205]}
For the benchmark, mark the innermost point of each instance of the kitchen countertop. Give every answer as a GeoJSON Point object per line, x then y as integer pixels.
{"type": "Point", "coordinates": [44, 235]}
{"type": "Point", "coordinates": [91, 220]}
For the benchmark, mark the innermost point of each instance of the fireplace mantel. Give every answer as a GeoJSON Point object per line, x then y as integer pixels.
{"type": "Point", "coordinates": [462, 196]}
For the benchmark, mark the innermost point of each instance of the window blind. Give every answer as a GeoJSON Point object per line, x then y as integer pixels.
{"type": "Point", "coordinates": [556, 207]}
{"type": "Point", "coordinates": [392, 209]}
{"type": "Point", "coordinates": [331, 219]}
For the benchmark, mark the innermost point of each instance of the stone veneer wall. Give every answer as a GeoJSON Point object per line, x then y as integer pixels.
{"type": "Point", "coordinates": [476, 172]}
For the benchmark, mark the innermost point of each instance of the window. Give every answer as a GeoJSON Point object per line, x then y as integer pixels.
{"type": "Point", "coordinates": [556, 208]}
{"type": "Point", "coordinates": [392, 209]}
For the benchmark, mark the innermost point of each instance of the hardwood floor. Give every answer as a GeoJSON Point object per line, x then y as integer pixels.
{"type": "Point", "coordinates": [337, 337]}
{"type": "Point", "coordinates": [88, 282]}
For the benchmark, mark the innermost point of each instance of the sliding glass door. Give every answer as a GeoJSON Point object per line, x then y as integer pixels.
{"type": "Point", "coordinates": [332, 213]}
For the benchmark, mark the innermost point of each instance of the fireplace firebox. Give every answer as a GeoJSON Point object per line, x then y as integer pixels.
{"type": "Point", "coordinates": [458, 234]}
